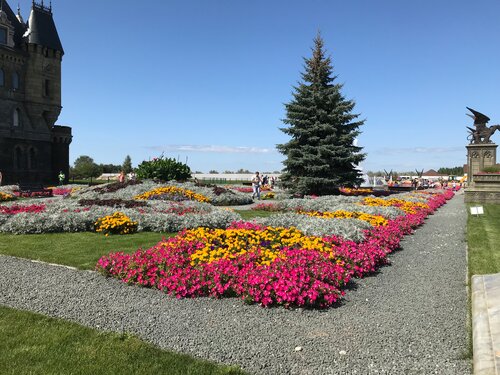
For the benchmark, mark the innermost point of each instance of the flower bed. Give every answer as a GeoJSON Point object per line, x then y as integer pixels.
{"type": "Point", "coordinates": [67, 215]}
{"type": "Point", "coordinates": [172, 193]}
{"type": "Point", "coordinates": [217, 196]}
{"type": "Point", "coordinates": [269, 265]}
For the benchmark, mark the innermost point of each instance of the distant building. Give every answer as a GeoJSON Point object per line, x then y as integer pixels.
{"type": "Point", "coordinates": [32, 147]}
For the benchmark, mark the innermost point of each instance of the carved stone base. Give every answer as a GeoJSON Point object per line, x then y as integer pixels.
{"type": "Point", "coordinates": [479, 156]}
{"type": "Point", "coordinates": [482, 196]}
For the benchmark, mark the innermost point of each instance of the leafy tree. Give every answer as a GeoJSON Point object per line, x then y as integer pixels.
{"type": "Point", "coordinates": [321, 155]}
{"type": "Point", "coordinates": [213, 171]}
{"type": "Point", "coordinates": [241, 171]}
{"type": "Point", "coordinates": [163, 169]}
{"type": "Point", "coordinates": [127, 164]}
{"type": "Point", "coordinates": [84, 167]}
{"type": "Point", "coordinates": [455, 171]}
{"type": "Point", "coordinates": [110, 168]}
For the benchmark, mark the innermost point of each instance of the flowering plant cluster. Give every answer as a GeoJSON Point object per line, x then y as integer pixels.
{"type": "Point", "coordinates": [242, 189]}
{"type": "Point", "coordinates": [17, 209]}
{"type": "Point", "coordinates": [406, 206]}
{"type": "Point", "coordinates": [271, 207]}
{"type": "Point", "coordinates": [374, 220]}
{"type": "Point", "coordinates": [269, 195]}
{"type": "Point", "coordinates": [4, 197]}
{"type": "Point", "coordinates": [163, 169]}
{"type": "Point", "coordinates": [111, 203]}
{"type": "Point", "coordinates": [118, 223]}
{"type": "Point", "coordinates": [326, 203]}
{"type": "Point", "coordinates": [34, 194]}
{"type": "Point", "coordinates": [64, 191]}
{"type": "Point", "coordinates": [242, 238]}
{"type": "Point", "coordinates": [172, 193]}
{"type": "Point", "coordinates": [264, 264]}
{"type": "Point", "coordinates": [363, 191]}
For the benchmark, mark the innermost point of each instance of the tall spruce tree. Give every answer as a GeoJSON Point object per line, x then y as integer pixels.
{"type": "Point", "coordinates": [321, 155]}
{"type": "Point", "coordinates": [127, 164]}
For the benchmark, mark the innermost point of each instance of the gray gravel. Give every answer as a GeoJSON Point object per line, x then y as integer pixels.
{"type": "Point", "coordinates": [408, 319]}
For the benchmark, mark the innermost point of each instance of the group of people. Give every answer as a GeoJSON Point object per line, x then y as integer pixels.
{"type": "Point", "coordinates": [258, 182]}
{"type": "Point", "coordinates": [419, 183]}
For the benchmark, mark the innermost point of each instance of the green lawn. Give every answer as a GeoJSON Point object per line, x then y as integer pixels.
{"type": "Point", "coordinates": [80, 250]}
{"type": "Point", "coordinates": [35, 344]}
{"type": "Point", "coordinates": [483, 237]}
{"type": "Point", "coordinates": [483, 242]}
{"type": "Point", "coordinates": [252, 214]}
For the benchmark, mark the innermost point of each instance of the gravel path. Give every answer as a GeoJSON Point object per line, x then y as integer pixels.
{"type": "Point", "coordinates": [408, 319]}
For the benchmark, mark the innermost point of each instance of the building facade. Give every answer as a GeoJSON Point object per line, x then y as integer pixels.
{"type": "Point", "coordinates": [32, 147]}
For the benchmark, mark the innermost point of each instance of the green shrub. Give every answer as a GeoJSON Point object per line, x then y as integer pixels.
{"type": "Point", "coordinates": [492, 169]}
{"type": "Point", "coordinates": [163, 169]}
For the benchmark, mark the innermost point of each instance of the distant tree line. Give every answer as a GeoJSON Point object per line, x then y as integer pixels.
{"type": "Point", "coordinates": [453, 171]}
{"type": "Point", "coordinates": [85, 167]}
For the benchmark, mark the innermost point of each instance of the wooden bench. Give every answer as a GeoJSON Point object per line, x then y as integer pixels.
{"type": "Point", "coordinates": [27, 189]}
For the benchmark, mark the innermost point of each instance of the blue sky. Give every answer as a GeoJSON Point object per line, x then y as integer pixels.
{"type": "Point", "coordinates": [205, 81]}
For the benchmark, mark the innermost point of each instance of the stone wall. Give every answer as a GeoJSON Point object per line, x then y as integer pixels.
{"type": "Point", "coordinates": [32, 148]}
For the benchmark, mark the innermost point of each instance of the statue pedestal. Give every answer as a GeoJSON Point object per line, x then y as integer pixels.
{"type": "Point", "coordinates": [481, 187]}
{"type": "Point", "coordinates": [480, 156]}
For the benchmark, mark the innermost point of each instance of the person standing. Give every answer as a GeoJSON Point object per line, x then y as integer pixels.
{"type": "Point", "coordinates": [121, 177]}
{"type": "Point", "coordinates": [256, 181]}
{"type": "Point", "coordinates": [61, 177]}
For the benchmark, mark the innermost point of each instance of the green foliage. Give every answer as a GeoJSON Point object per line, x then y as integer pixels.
{"type": "Point", "coordinates": [321, 155]}
{"type": "Point", "coordinates": [35, 344]}
{"type": "Point", "coordinates": [492, 169]}
{"type": "Point", "coordinates": [85, 167]}
{"type": "Point", "coordinates": [163, 169]}
{"type": "Point", "coordinates": [60, 248]}
{"type": "Point", "coordinates": [455, 171]}
{"type": "Point", "coordinates": [483, 238]}
{"type": "Point", "coordinates": [127, 164]}
{"type": "Point", "coordinates": [110, 168]}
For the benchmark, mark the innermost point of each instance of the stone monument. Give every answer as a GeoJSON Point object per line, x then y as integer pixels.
{"type": "Point", "coordinates": [482, 187]}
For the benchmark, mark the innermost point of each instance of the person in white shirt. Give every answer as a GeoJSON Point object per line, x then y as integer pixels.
{"type": "Point", "coordinates": [256, 181]}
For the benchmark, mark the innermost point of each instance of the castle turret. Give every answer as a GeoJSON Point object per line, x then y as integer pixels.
{"type": "Point", "coordinates": [43, 78]}
{"type": "Point", "coordinates": [32, 147]}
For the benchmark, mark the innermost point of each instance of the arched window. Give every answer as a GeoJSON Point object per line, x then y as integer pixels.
{"type": "Point", "coordinates": [46, 87]}
{"type": "Point", "coordinates": [18, 158]}
{"type": "Point", "coordinates": [16, 121]}
{"type": "Point", "coordinates": [3, 35]}
{"type": "Point", "coordinates": [2, 78]}
{"type": "Point", "coordinates": [15, 81]}
{"type": "Point", "coordinates": [32, 158]}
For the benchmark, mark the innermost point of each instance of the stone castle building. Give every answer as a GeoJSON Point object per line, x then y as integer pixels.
{"type": "Point", "coordinates": [32, 147]}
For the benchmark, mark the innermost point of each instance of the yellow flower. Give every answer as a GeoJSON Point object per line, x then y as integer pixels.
{"type": "Point", "coordinates": [118, 223]}
{"type": "Point", "coordinates": [172, 190]}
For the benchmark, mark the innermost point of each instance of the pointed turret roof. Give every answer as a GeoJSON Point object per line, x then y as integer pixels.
{"type": "Point", "coordinates": [19, 28]}
{"type": "Point", "coordinates": [42, 29]}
